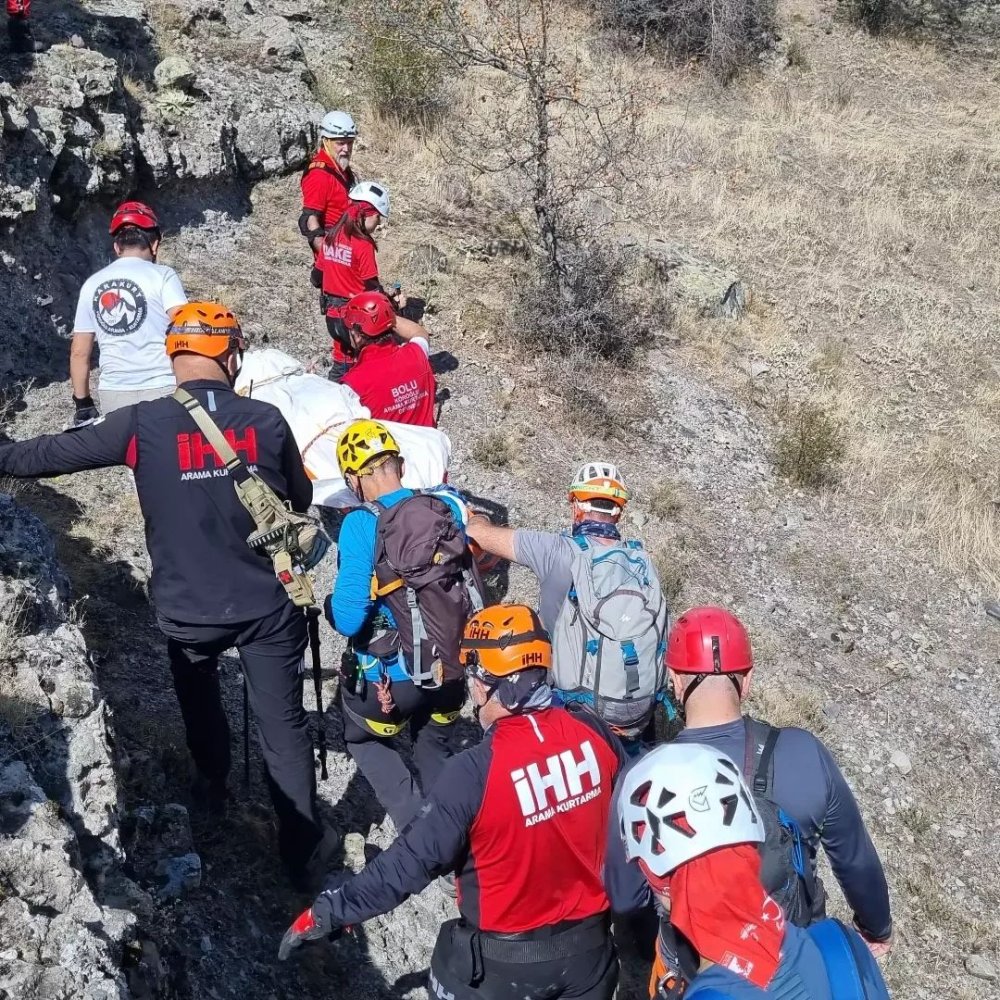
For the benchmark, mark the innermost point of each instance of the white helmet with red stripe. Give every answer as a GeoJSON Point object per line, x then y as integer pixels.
{"type": "Point", "coordinates": [683, 800]}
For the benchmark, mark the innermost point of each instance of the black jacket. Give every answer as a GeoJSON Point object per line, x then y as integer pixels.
{"type": "Point", "coordinates": [196, 528]}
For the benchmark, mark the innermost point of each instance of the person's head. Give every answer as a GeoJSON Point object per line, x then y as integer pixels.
{"type": "Point", "coordinates": [369, 319]}
{"type": "Point", "coordinates": [507, 658]}
{"type": "Point", "coordinates": [205, 341]}
{"type": "Point", "coordinates": [337, 133]}
{"type": "Point", "coordinates": [369, 206]}
{"type": "Point", "coordinates": [135, 230]}
{"type": "Point", "coordinates": [369, 460]}
{"type": "Point", "coordinates": [598, 493]}
{"type": "Point", "coordinates": [683, 801]}
{"type": "Point", "coordinates": [709, 664]}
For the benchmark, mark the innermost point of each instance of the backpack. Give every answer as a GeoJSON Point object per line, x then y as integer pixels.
{"type": "Point", "coordinates": [850, 969]}
{"type": "Point", "coordinates": [609, 640]}
{"type": "Point", "coordinates": [786, 870]}
{"type": "Point", "coordinates": [425, 573]}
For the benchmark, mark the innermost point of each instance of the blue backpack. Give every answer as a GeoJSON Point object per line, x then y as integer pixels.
{"type": "Point", "coordinates": [852, 972]}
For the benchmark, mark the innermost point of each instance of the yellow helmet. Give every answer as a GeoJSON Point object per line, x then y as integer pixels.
{"type": "Point", "coordinates": [363, 441]}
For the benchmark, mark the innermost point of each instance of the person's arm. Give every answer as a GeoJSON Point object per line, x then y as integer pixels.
{"type": "Point", "coordinates": [492, 538]}
{"type": "Point", "coordinates": [853, 858]}
{"type": "Point", "coordinates": [409, 330]}
{"type": "Point", "coordinates": [314, 184]}
{"type": "Point", "coordinates": [172, 294]}
{"type": "Point", "coordinates": [431, 845]}
{"type": "Point", "coordinates": [350, 604]}
{"type": "Point", "coordinates": [80, 350]}
{"type": "Point", "coordinates": [110, 442]}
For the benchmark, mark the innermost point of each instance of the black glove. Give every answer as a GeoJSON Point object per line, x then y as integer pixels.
{"type": "Point", "coordinates": [86, 411]}
{"type": "Point", "coordinates": [315, 923]}
{"type": "Point", "coordinates": [316, 278]}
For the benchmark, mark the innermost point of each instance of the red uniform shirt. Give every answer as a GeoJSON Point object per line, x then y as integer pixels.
{"type": "Point", "coordinates": [395, 382]}
{"type": "Point", "coordinates": [538, 842]}
{"type": "Point", "coordinates": [347, 264]}
{"type": "Point", "coordinates": [324, 189]}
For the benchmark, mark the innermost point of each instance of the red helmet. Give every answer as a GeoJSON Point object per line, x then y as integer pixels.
{"type": "Point", "coordinates": [371, 313]}
{"type": "Point", "coordinates": [133, 213]}
{"type": "Point", "coordinates": [709, 641]}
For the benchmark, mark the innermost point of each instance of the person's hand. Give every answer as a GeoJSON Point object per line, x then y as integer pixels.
{"type": "Point", "coordinates": [879, 949]}
{"type": "Point", "coordinates": [313, 924]}
{"type": "Point", "coordinates": [315, 542]}
{"type": "Point", "coordinates": [86, 411]}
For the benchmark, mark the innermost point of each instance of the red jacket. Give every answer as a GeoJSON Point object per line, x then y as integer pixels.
{"type": "Point", "coordinates": [325, 187]}
{"type": "Point", "coordinates": [395, 382]}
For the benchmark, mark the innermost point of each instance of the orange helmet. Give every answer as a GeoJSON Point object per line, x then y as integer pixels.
{"type": "Point", "coordinates": [486, 561]}
{"type": "Point", "coordinates": [502, 640]}
{"type": "Point", "coordinates": [205, 328]}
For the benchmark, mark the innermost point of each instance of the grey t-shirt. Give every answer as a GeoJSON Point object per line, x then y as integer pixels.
{"type": "Point", "coordinates": [549, 556]}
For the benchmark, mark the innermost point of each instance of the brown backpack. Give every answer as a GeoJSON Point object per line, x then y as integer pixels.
{"type": "Point", "coordinates": [426, 575]}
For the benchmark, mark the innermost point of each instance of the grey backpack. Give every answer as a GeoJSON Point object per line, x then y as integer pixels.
{"type": "Point", "coordinates": [609, 640]}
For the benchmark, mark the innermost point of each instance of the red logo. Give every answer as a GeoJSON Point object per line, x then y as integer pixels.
{"type": "Point", "coordinates": [193, 450]}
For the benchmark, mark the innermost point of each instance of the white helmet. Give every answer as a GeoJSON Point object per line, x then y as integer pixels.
{"type": "Point", "coordinates": [338, 125]}
{"type": "Point", "coordinates": [683, 800]}
{"type": "Point", "coordinates": [599, 481]}
{"type": "Point", "coordinates": [375, 194]}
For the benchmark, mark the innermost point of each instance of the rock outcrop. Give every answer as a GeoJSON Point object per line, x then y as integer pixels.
{"type": "Point", "coordinates": [58, 797]}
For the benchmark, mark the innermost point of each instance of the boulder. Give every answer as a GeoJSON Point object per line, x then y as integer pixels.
{"type": "Point", "coordinates": [174, 73]}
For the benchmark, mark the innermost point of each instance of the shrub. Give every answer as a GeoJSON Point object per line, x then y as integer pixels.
{"type": "Point", "coordinates": [401, 78]}
{"type": "Point", "coordinates": [493, 450]}
{"type": "Point", "coordinates": [810, 446]}
{"type": "Point", "coordinates": [589, 309]}
{"type": "Point", "coordinates": [884, 16]}
{"type": "Point", "coordinates": [728, 35]}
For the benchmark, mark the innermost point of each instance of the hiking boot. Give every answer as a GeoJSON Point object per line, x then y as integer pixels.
{"type": "Point", "coordinates": [309, 878]}
{"type": "Point", "coordinates": [22, 38]}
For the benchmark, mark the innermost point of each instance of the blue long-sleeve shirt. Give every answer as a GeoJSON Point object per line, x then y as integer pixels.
{"type": "Point", "coordinates": [808, 786]}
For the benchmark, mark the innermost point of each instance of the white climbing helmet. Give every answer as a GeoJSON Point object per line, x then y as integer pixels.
{"type": "Point", "coordinates": [683, 800]}
{"type": "Point", "coordinates": [338, 125]}
{"type": "Point", "coordinates": [377, 195]}
{"type": "Point", "coordinates": [599, 481]}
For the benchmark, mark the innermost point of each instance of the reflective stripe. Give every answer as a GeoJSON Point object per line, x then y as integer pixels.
{"type": "Point", "coordinates": [444, 718]}
{"type": "Point", "coordinates": [385, 728]}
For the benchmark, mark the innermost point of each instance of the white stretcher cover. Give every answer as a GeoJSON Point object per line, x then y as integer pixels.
{"type": "Point", "coordinates": [318, 411]}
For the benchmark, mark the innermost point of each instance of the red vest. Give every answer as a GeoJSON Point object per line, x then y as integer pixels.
{"type": "Point", "coordinates": [395, 382]}
{"type": "Point", "coordinates": [538, 842]}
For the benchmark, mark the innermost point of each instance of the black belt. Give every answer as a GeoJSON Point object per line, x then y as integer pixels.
{"type": "Point", "coordinates": [546, 944]}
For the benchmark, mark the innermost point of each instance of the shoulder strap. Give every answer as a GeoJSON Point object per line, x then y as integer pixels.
{"type": "Point", "coordinates": [758, 755]}
{"type": "Point", "coordinates": [210, 429]}
{"type": "Point", "coordinates": [579, 541]}
{"type": "Point", "coordinates": [373, 507]}
{"type": "Point", "coordinates": [833, 940]}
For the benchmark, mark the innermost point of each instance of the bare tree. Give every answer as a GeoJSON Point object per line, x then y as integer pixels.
{"type": "Point", "coordinates": [561, 138]}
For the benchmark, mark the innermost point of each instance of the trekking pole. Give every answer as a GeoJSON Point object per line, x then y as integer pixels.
{"type": "Point", "coordinates": [246, 733]}
{"type": "Point", "coordinates": [312, 623]}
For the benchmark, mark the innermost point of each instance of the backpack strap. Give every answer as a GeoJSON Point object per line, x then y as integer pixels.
{"type": "Point", "coordinates": [833, 940]}
{"type": "Point", "coordinates": [758, 755]}
{"type": "Point", "coordinates": [631, 659]}
{"type": "Point", "coordinates": [210, 429]}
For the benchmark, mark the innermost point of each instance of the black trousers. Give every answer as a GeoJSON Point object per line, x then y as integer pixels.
{"type": "Point", "coordinates": [371, 737]}
{"type": "Point", "coordinates": [591, 975]}
{"type": "Point", "coordinates": [271, 651]}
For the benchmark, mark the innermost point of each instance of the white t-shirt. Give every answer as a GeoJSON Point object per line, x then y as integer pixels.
{"type": "Point", "coordinates": [125, 304]}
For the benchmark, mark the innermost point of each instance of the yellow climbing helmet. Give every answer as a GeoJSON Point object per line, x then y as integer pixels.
{"type": "Point", "coordinates": [361, 443]}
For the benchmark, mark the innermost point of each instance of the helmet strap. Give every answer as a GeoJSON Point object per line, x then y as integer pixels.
{"type": "Point", "coordinates": [693, 686]}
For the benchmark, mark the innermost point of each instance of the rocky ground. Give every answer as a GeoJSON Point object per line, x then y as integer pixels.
{"type": "Point", "coordinates": [111, 883]}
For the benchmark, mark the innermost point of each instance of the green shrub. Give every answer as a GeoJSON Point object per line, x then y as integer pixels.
{"type": "Point", "coordinates": [811, 445]}
{"type": "Point", "coordinates": [402, 79]}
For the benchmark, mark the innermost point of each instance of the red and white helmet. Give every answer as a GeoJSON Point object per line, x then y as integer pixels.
{"type": "Point", "coordinates": [599, 481]}
{"type": "Point", "coordinates": [683, 800]}
{"type": "Point", "coordinates": [133, 213]}
{"type": "Point", "coordinates": [376, 195]}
